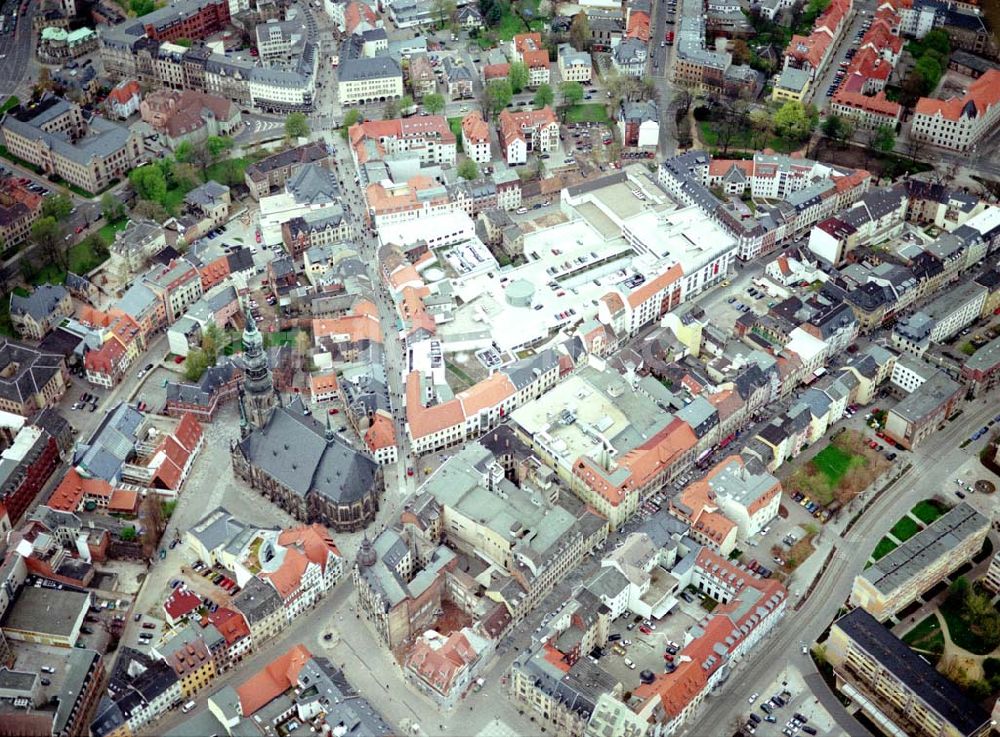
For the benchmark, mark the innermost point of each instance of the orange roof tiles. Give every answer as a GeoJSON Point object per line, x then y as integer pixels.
{"type": "Point", "coordinates": [288, 576]}
{"type": "Point", "coordinates": [474, 128]}
{"type": "Point", "coordinates": [423, 420]}
{"type": "Point", "coordinates": [877, 104]}
{"type": "Point", "coordinates": [125, 91]}
{"type": "Point", "coordinates": [536, 59]}
{"type": "Point", "coordinates": [74, 487]}
{"type": "Point", "coordinates": [314, 540]}
{"type": "Point", "coordinates": [322, 382]}
{"type": "Point", "coordinates": [278, 676]}
{"type": "Point", "coordinates": [230, 624]}
{"type": "Point", "coordinates": [701, 511]}
{"type": "Point", "coordinates": [982, 94]}
{"type": "Point", "coordinates": [513, 125]}
{"type": "Point", "coordinates": [496, 71]}
{"type": "Point", "coordinates": [122, 501]}
{"type": "Point", "coordinates": [355, 13]}
{"type": "Point", "coordinates": [356, 328]}
{"type": "Point", "coordinates": [527, 42]}
{"type": "Point", "coordinates": [381, 434]}
{"type": "Point", "coordinates": [638, 26]}
{"type": "Point", "coordinates": [486, 394]}
{"type": "Point", "coordinates": [663, 281]}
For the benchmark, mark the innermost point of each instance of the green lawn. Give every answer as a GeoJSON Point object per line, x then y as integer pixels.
{"type": "Point", "coordinates": [217, 171]}
{"type": "Point", "coordinates": [905, 529]}
{"type": "Point", "coordinates": [742, 139]}
{"type": "Point", "coordinates": [834, 462]}
{"type": "Point", "coordinates": [456, 127]}
{"type": "Point", "coordinates": [884, 547]}
{"type": "Point", "coordinates": [960, 631]}
{"type": "Point", "coordinates": [50, 274]}
{"type": "Point", "coordinates": [174, 199]}
{"type": "Point", "coordinates": [107, 231]}
{"type": "Point", "coordinates": [11, 102]}
{"type": "Point", "coordinates": [83, 258]}
{"type": "Point", "coordinates": [926, 511]}
{"type": "Point", "coordinates": [510, 24]}
{"type": "Point", "coordinates": [590, 113]}
{"type": "Point", "coordinates": [926, 636]}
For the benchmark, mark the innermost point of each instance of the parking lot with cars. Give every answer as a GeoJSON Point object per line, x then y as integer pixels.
{"type": "Point", "coordinates": [786, 707]}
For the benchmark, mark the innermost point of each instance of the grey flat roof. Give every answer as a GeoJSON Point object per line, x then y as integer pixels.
{"type": "Point", "coordinates": [52, 611]}
{"type": "Point", "coordinates": [924, 548]}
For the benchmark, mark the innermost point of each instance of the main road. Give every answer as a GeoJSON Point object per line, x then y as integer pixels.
{"type": "Point", "coordinates": [16, 51]}
{"type": "Point", "coordinates": [932, 466]}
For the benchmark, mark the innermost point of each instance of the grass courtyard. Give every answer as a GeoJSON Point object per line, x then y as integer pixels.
{"type": "Point", "coordinates": [927, 636]}
{"type": "Point", "coordinates": [927, 510]}
{"type": "Point", "coordinates": [590, 113]}
{"type": "Point", "coordinates": [841, 470]}
{"type": "Point", "coordinates": [904, 529]}
{"type": "Point", "coordinates": [884, 547]}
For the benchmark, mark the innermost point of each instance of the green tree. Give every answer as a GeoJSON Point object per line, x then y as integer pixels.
{"type": "Point", "coordinates": [296, 125]}
{"type": "Point", "coordinates": [111, 207]}
{"type": "Point", "coordinates": [518, 76]}
{"type": "Point", "coordinates": [149, 183]}
{"type": "Point", "coordinates": [352, 117]}
{"type": "Point", "coordinates": [58, 206]}
{"type": "Point", "coordinates": [391, 110]}
{"type": "Point", "coordinates": [958, 591]}
{"type": "Point", "coordinates": [496, 96]}
{"type": "Point", "coordinates": [884, 139]}
{"type": "Point", "coordinates": [433, 103]}
{"type": "Point", "coordinates": [443, 11]}
{"type": "Point", "coordinates": [150, 210]}
{"type": "Point", "coordinates": [195, 365]}
{"type": "Point", "coordinates": [572, 93]}
{"type": "Point", "coordinates": [406, 103]}
{"type": "Point", "coordinates": [142, 7]}
{"type": "Point", "coordinates": [185, 176]}
{"type": "Point", "coordinates": [468, 169]}
{"type": "Point", "coordinates": [128, 534]}
{"type": "Point", "coordinates": [937, 40]}
{"type": "Point", "coordinates": [47, 234]}
{"type": "Point", "coordinates": [579, 32]}
{"type": "Point", "coordinates": [218, 145]}
{"type": "Point", "coordinates": [793, 121]}
{"type": "Point", "coordinates": [228, 172]}
{"type": "Point", "coordinates": [543, 96]}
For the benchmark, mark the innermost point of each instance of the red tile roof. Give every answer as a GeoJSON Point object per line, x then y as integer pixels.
{"type": "Point", "coordinates": [314, 540]}
{"type": "Point", "coordinates": [982, 94]}
{"type": "Point", "coordinates": [230, 623]}
{"type": "Point", "coordinates": [278, 676]}
{"type": "Point", "coordinates": [877, 104]}
{"type": "Point", "coordinates": [180, 603]}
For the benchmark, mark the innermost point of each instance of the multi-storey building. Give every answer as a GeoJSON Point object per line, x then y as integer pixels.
{"type": "Point", "coordinates": [960, 122]}
{"type": "Point", "coordinates": [30, 380]}
{"type": "Point", "coordinates": [428, 136]}
{"type": "Point", "coordinates": [36, 314]}
{"type": "Point", "coordinates": [528, 131]}
{"type": "Point", "coordinates": [897, 579]}
{"type": "Point", "coordinates": [893, 685]}
{"type": "Point", "coordinates": [272, 173]}
{"type": "Point", "coordinates": [574, 66]}
{"type": "Point", "coordinates": [19, 208]}
{"type": "Point", "coordinates": [369, 80]}
{"type": "Point", "coordinates": [54, 136]}
{"type": "Point", "coordinates": [528, 49]}
{"type": "Point", "coordinates": [476, 138]}
{"type": "Point", "coordinates": [924, 411]}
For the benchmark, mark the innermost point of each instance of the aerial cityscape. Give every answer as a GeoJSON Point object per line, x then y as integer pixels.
{"type": "Point", "coordinates": [500, 368]}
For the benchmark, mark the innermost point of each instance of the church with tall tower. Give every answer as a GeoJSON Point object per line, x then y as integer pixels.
{"type": "Point", "coordinates": [258, 397]}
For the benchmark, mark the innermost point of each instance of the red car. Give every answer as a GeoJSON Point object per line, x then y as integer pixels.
{"type": "Point", "coordinates": [668, 657]}
{"type": "Point", "coordinates": [645, 630]}
{"type": "Point", "coordinates": [79, 229]}
{"type": "Point", "coordinates": [258, 236]}
{"type": "Point", "coordinates": [409, 471]}
{"type": "Point", "coordinates": [334, 411]}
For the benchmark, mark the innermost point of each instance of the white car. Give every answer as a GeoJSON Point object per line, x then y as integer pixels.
{"type": "Point", "coordinates": [753, 697]}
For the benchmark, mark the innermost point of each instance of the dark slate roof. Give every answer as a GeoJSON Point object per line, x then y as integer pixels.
{"type": "Point", "coordinates": [256, 601]}
{"type": "Point", "coordinates": [293, 449]}
{"type": "Point", "coordinates": [940, 694]}
{"type": "Point", "coordinates": [34, 370]}
{"type": "Point", "coordinates": [40, 304]}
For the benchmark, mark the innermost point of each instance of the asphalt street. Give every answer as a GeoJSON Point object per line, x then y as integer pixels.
{"type": "Point", "coordinates": [933, 464]}
{"type": "Point", "coordinates": [16, 51]}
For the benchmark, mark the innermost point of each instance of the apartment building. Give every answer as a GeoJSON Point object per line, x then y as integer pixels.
{"type": "Point", "coordinates": [924, 411]}
{"type": "Point", "coordinates": [981, 370]}
{"type": "Point", "coordinates": [476, 138]}
{"type": "Point", "coordinates": [29, 379]}
{"type": "Point", "coordinates": [35, 315]}
{"type": "Point", "coordinates": [892, 582]}
{"type": "Point", "coordinates": [867, 112]}
{"type": "Point", "coordinates": [528, 131]}
{"type": "Point", "coordinates": [54, 136]}
{"type": "Point", "coordinates": [19, 208]}
{"type": "Point", "coordinates": [369, 80]}
{"type": "Point", "coordinates": [177, 285]}
{"type": "Point", "coordinates": [428, 137]}
{"type": "Point", "coordinates": [810, 53]}
{"type": "Point", "coordinates": [191, 19]}
{"type": "Point", "coordinates": [896, 687]}
{"type": "Point", "coordinates": [959, 123]}
{"type": "Point", "coordinates": [574, 66]}
{"type": "Point", "coordinates": [528, 49]}
{"type": "Point", "coordinates": [272, 172]}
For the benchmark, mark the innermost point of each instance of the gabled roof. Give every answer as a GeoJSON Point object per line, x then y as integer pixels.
{"type": "Point", "coordinates": [278, 676]}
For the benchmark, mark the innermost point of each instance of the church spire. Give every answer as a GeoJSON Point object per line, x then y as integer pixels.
{"type": "Point", "coordinates": [257, 383]}
{"type": "Point", "coordinates": [329, 429]}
